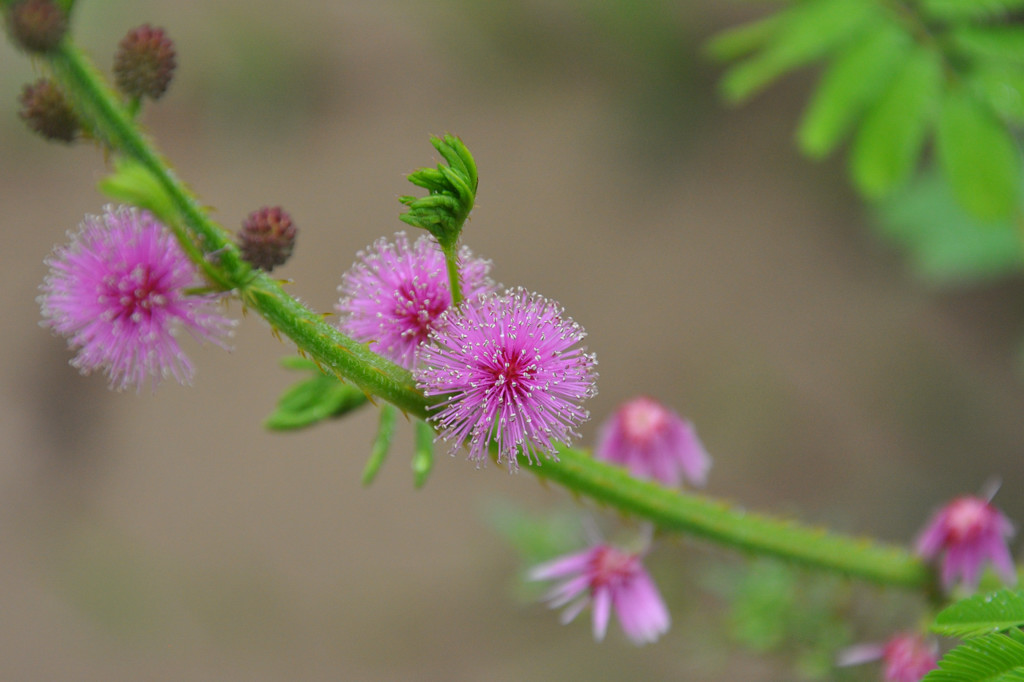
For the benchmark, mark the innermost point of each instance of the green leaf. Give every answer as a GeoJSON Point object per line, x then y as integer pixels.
{"type": "Point", "coordinates": [1002, 88]}
{"type": "Point", "coordinates": [990, 658]}
{"type": "Point", "coordinates": [981, 614]}
{"type": "Point", "coordinates": [1000, 43]}
{"type": "Point", "coordinates": [131, 183]}
{"type": "Point", "coordinates": [978, 156]}
{"type": "Point", "coordinates": [960, 10]}
{"type": "Point", "coordinates": [452, 192]}
{"type": "Point", "coordinates": [852, 81]}
{"type": "Point", "coordinates": [888, 144]}
{"type": "Point", "coordinates": [313, 400]}
{"type": "Point", "coordinates": [381, 444]}
{"type": "Point", "coordinates": [423, 454]}
{"type": "Point", "coordinates": [945, 243]}
{"type": "Point", "coordinates": [737, 42]}
{"type": "Point", "coordinates": [806, 32]}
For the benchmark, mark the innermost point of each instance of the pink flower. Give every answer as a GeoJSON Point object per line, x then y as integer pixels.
{"type": "Point", "coordinates": [609, 578]}
{"type": "Point", "coordinates": [906, 657]}
{"type": "Point", "coordinates": [969, 532]}
{"type": "Point", "coordinates": [118, 291]}
{"type": "Point", "coordinates": [508, 371]}
{"type": "Point", "coordinates": [653, 442]}
{"type": "Point", "coordinates": [396, 291]}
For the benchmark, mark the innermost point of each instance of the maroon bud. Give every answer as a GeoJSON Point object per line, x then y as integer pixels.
{"type": "Point", "coordinates": [144, 63]}
{"type": "Point", "coordinates": [36, 25]}
{"type": "Point", "coordinates": [267, 238]}
{"type": "Point", "coordinates": [45, 110]}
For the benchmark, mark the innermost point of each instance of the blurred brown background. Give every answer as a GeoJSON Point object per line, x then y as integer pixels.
{"type": "Point", "coordinates": [165, 536]}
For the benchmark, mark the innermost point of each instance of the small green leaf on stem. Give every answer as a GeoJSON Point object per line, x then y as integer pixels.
{"type": "Point", "coordinates": [313, 400]}
{"type": "Point", "coordinates": [131, 183]}
{"type": "Point", "coordinates": [381, 445]}
{"type": "Point", "coordinates": [423, 456]}
{"type": "Point", "coordinates": [452, 192]}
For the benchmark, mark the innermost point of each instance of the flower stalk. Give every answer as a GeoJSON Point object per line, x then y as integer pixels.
{"type": "Point", "coordinates": [103, 113]}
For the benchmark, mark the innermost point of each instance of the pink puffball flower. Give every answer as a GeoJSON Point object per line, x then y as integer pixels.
{"type": "Point", "coordinates": [118, 291]}
{"type": "Point", "coordinates": [653, 442]}
{"type": "Point", "coordinates": [609, 579]}
{"type": "Point", "coordinates": [969, 532]}
{"type": "Point", "coordinates": [906, 657]}
{"type": "Point", "coordinates": [395, 292]}
{"type": "Point", "coordinates": [508, 370]}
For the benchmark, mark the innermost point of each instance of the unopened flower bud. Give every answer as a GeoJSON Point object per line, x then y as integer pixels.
{"type": "Point", "coordinates": [144, 63]}
{"type": "Point", "coordinates": [45, 110]}
{"type": "Point", "coordinates": [36, 25]}
{"type": "Point", "coordinates": [267, 238]}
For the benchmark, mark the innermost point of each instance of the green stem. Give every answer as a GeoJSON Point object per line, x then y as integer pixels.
{"type": "Point", "coordinates": [575, 469]}
{"type": "Point", "coordinates": [451, 261]}
{"type": "Point", "coordinates": [720, 522]}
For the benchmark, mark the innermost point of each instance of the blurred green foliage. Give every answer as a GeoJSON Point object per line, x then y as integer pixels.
{"type": "Point", "coordinates": [945, 243]}
{"type": "Point", "coordinates": [895, 76]}
{"type": "Point", "coordinates": [777, 608]}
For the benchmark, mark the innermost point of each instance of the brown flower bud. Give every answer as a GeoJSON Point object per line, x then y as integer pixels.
{"type": "Point", "coordinates": [45, 110]}
{"type": "Point", "coordinates": [36, 25]}
{"type": "Point", "coordinates": [144, 63]}
{"type": "Point", "coordinates": [267, 238]}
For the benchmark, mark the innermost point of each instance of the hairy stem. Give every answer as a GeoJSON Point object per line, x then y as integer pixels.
{"type": "Point", "coordinates": [671, 510]}
{"type": "Point", "coordinates": [451, 261]}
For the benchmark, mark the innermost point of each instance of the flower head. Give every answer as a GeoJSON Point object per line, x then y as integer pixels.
{"type": "Point", "coordinates": [653, 442]}
{"type": "Point", "coordinates": [968, 532]}
{"type": "Point", "coordinates": [609, 578]}
{"type": "Point", "coordinates": [118, 291]}
{"type": "Point", "coordinates": [396, 291]}
{"type": "Point", "coordinates": [507, 370]}
{"type": "Point", "coordinates": [906, 657]}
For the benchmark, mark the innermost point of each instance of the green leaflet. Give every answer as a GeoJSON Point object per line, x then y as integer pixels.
{"type": "Point", "coordinates": [982, 614]}
{"type": "Point", "coordinates": [849, 84]}
{"type": "Point", "coordinates": [132, 183]}
{"type": "Point", "coordinates": [742, 40]}
{"type": "Point", "coordinates": [452, 192]}
{"type": "Point", "coordinates": [961, 10]}
{"type": "Point", "coordinates": [1002, 88]}
{"type": "Point", "coordinates": [423, 453]}
{"type": "Point", "coordinates": [381, 444]}
{"type": "Point", "coordinates": [806, 32]}
{"type": "Point", "coordinates": [999, 43]}
{"type": "Point", "coordinates": [978, 156]}
{"type": "Point", "coordinates": [888, 144]}
{"type": "Point", "coordinates": [313, 400]}
{"type": "Point", "coordinates": [993, 658]}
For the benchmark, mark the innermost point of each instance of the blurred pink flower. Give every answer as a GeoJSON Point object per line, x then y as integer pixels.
{"type": "Point", "coordinates": [906, 657]}
{"type": "Point", "coordinates": [653, 442]}
{"type": "Point", "coordinates": [609, 579]}
{"type": "Point", "coordinates": [969, 532]}
{"type": "Point", "coordinates": [118, 291]}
